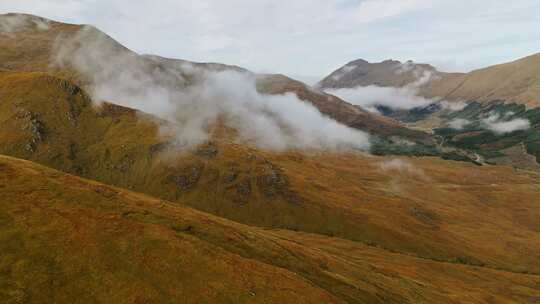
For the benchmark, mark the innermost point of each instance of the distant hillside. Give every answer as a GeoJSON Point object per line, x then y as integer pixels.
{"type": "Point", "coordinates": [517, 81]}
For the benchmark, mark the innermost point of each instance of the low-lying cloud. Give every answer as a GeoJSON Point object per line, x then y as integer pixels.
{"type": "Point", "coordinates": [458, 123]}
{"type": "Point", "coordinates": [396, 98]}
{"type": "Point", "coordinates": [498, 125]}
{"type": "Point", "coordinates": [194, 98]}
{"type": "Point", "coordinates": [453, 106]}
{"type": "Point", "coordinates": [369, 97]}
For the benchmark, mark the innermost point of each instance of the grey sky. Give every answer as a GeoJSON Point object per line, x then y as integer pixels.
{"type": "Point", "coordinates": [310, 38]}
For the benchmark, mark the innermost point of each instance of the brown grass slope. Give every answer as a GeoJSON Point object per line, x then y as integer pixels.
{"type": "Point", "coordinates": [517, 81]}
{"type": "Point", "coordinates": [69, 240]}
{"type": "Point", "coordinates": [31, 49]}
{"type": "Point", "coordinates": [435, 209]}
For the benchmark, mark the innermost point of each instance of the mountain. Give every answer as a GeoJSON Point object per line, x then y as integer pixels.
{"type": "Point", "coordinates": [388, 73]}
{"type": "Point", "coordinates": [517, 81]}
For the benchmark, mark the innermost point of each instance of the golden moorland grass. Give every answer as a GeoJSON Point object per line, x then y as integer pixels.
{"type": "Point", "coordinates": [65, 239]}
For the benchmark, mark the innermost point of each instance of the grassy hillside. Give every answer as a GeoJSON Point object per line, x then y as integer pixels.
{"type": "Point", "coordinates": [423, 207]}
{"type": "Point", "coordinates": [65, 239]}
{"type": "Point", "coordinates": [517, 81]}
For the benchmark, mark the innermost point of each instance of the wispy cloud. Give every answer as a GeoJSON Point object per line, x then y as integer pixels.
{"type": "Point", "coordinates": [195, 98]}
{"type": "Point", "coordinates": [16, 22]}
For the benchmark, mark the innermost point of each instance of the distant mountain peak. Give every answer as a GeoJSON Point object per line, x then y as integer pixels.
{"type": "Point", "coordinates": [387, 73]}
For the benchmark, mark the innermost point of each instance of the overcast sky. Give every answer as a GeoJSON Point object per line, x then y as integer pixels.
{"type": "Point", "coordinates": [310, 38]}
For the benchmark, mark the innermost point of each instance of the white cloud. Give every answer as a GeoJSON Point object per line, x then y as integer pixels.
{"type": "Point", "coordinates": [371, 96]}
{"type": "Point", "coordinates": [308, 37]}
{"type": "Point", "coordinates": [458, 123]}
{"type": "Point", "coordinates": [453, 106]}
{"type": "Point", "coordinates": [495, 123]}
{"type": "Point", "coordinates": [16, 22]}
{"type": "Point", "coordinates": [404, 98]}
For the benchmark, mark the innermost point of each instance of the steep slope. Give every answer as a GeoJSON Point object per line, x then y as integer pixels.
{"type": "Point", "coordinates": [517, 81]}
{"type": "Point", "coordinates": [66, 239]}
{"type": "Point", "coordinates": [407, 206]}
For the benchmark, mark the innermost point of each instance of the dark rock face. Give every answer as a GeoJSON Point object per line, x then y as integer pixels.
{"type": "Point", "coordinates": [272, 181]}
{"type": "Point", "coordinates": [208, 150]}
{"type": "Point", "coordinates": [231, 175]}
{"type": "Point", "coordinates": [34, 126]}
{"type": "Point", "coordinates": [188, 179]}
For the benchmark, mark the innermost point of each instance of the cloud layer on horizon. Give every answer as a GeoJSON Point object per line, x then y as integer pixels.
{"type": "Point", "coordinates": [309, 37]}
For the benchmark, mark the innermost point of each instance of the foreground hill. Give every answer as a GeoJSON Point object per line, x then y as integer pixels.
{"type": "Point", "coordinates": [67, 239]}
{"type": "Point", "coordinates": [422, 207]}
